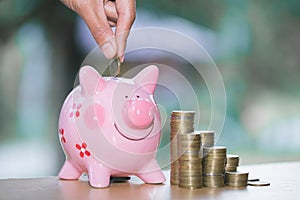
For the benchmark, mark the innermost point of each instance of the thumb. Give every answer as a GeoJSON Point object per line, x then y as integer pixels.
{"type": "Point", "coordinates": [94, 16]}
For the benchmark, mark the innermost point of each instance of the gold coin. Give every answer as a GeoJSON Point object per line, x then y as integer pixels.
{"type": "Point", "coordinates": [236, 184]}
{"type": "Point", "coordinates": [190, 171]}
{"type": "Point", "coordinates": [217, 156]}
{"type": "Point", "coordinates": [259, 183]}
{"type": "Point", "coordinates": [214, 184]}
{"type": "Point", "coordinates": [190, 176]}
{"type": "Point", "coordinates": [207, 144]}
{"type": "Point", "coordinates": [182, 120]}
{"type": "Point", "coordinates": [230, 156]}
{"type": "Point", "coordinates": [202, 132]}
{"type": "Point", "coordinates": [197, 184]}
{"type": "Point", "coordinates": [216, 148]}
{"type": "Point", "coordinates": [189, 156]}
{"type": "Point", "coordinates": [182, 132]}
{"type": "Point", "coordinates": [230, 169]}
{"type": "Point", "coordinates": [191, 186]}
{"type": "Point", "coordinates": [232, 159]}
{"type": "Point", "coordinates": [194, 183]}
{"type": "Point", "coordinates": [214, 154]}
{"type": "Point", "coordinates": [183, 112]}
{"type": "Point", "coordinates": [214, 164]}
{"type": "Point", "coordinates": [182, 126]}
{"type": "Point", "coordinates": [253, 179]}
{"type": "Point", "coordinates": [237, 174]}
{"type": "Point", "coordinates": [184, 144]}
{"type": "Point", "coordinates": [187, 152]}
{"type": "Point", "coordinates": [115, 67]}
{"type": "Point", "coordinates": [174, 173]}
{"type": "Point", "coordinates": [214, 180]}
{"type": "Point", "coordinates": [232, 164]}
{"type": "Point", "coordinates": [188, 143]}
{"type": "Point", "coordinates": [190, 181]}
{"type": "Point", "coordinates": [211, 165]}
{"type": "Point", "coordinates": [213, 172]}
{"type": "Point", "coordinates": [184, 163]}
{"type": "Point", "coordinates": [189, 147]}
{"type": "Point", "coordinates": [188, 137]}
{"type": "Point", "coordinates": [213, 168]}
{"type": "Point", "coordinates": [190, 168]}
{"type": "Point", "coordinates": [207, 137]}
{"type": "Point", "coordinates": [189, 161]}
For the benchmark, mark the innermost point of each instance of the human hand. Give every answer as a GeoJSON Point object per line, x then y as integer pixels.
{"type": "Point", "coordinates": [100, 16]}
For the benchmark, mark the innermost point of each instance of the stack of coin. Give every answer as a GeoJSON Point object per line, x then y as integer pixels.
{"type": "Point", "coordinates": [174, 162]}
{"type": "Point", "coordinates": [232, 163]}
{"type": "Point", "coordinates": [190, 164]}
{"type": "Point", "coordinates": [173, 159]}
{"type": "Point", "coordinates": [207, 138]}
{"type": "Point", "coordinates": [213, 181]}
{"type": "Point", "coordinates": [182, 122]}
{"type": "Point", "coordinates": [174, 173]}
{"type": "Point", "coordinates": [236, 179]}
{"type": "Point", "coordinates": [214, 166]}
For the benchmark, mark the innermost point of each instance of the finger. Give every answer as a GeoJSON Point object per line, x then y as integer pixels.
{"type": "Point", "coordinates": [126, 17]}
{"type": "Point", "coordinates": [110, 11]}
{"type": "Point", "coordinates": [93, 14]}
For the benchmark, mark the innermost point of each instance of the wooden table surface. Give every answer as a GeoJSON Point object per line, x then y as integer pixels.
{"type": "Point", "coordinates": [284, 179]}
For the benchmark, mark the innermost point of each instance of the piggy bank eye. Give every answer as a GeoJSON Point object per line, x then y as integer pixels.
{"type": "Point", "coordinates": [126, 96]}
{"type": "Point", "coordinates": [138, 96]}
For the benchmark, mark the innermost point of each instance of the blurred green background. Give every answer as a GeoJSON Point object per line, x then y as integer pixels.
{"type": "Point", "coordinates": [255, 44]}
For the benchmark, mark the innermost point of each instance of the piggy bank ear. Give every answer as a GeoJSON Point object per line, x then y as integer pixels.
{"type": "Point", "coordinates": [147, 78]}
{"type": "Point", "coordinates": [90, 80]}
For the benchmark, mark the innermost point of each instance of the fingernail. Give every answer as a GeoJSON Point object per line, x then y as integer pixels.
{"type": "Point", "coordinates": [122, 58]}
{"type": "Point", "coordinates": [108, 50]}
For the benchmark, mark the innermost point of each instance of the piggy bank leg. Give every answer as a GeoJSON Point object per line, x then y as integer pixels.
{"type": "Point", "coordinates": [69, 171]}
{"type": "Point", "coordinates": [153, 177]}
{"type": "Point", "coordinates": [99, 175]}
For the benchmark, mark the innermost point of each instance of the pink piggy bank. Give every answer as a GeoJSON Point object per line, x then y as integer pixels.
{"type": "Point", "coordinates": [111, 127]}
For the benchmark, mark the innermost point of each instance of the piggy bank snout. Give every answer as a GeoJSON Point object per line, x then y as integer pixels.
{"type": "Point", "coordinates": [139, 113]}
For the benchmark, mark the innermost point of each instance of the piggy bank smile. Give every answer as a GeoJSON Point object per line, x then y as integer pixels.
{"type": "Point", "coordinates": [141, 134]}
{"type": "Point", "coordinates": [137, 119]}
{"type": "Point", "coordinates": [135, 113]}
